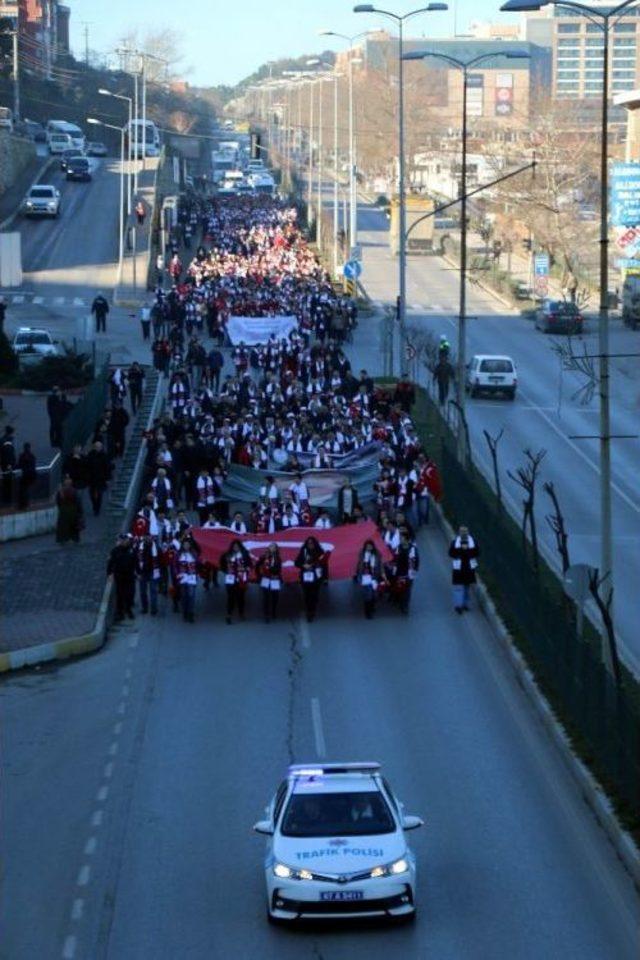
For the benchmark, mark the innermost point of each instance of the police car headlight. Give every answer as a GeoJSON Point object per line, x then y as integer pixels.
{"type": "Point", "coordinates": [283, 871]}
{"type": "Point", "coordinates": [390, 869]}
{"type": "Point", "coordinates": [51, 205]}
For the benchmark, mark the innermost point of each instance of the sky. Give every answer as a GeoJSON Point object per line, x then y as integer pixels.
{"type": "Point", "coordinates": [223, 42]}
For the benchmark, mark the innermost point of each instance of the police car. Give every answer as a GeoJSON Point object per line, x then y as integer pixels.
{"type": "Point", "coordinates": [337, 845]}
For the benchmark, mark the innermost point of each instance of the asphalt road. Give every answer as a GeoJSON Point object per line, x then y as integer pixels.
{"type": "Point", "coordinates": [545, 415]}
{"type": "Point", "coordinates": [132, 780]}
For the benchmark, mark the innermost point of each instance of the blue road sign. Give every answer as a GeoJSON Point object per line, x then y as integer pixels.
{"type": "Point", "coordinates": [352, 269]}
{"type": "Point", "coordinates": [541, 264]}
{"type": "Point", "coordinates": [625, 194]}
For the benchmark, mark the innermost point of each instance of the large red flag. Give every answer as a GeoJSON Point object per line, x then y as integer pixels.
{"type": "Point", "coordinates": [342, 546]}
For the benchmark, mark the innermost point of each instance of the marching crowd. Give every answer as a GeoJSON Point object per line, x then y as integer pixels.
{"type": "Point", "coordinates": [291, 404]}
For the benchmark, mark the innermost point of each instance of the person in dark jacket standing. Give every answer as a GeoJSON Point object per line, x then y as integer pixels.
{"type": "Point", "coordinates": [347, 502]}
{"type": "Point", "coordinates": [7, 463]}
{"type": "Point", "coordinates": [464, 553]}
{"type": "Point", "coordinates": [135, 377]}
{"type": "Point", "coordinates": [70, 515]}
{"type": "Point", "coordinates": [75, 467]}
{"type": "Point", "coordinates": [28, 475]}
{"type": "Point", "coordinates": [122, 567]}
{"type": "Point", "coordinates": [443, 374]}
{"type": "Point", "coordinates": [100, 308]}
{"type": "Point", "coordinates": [269, 575]}
{"type": "Point", "coordinates": [311, 562]}
{"type": "Point", "coordinates": [119, 424]}
{"type": "Point", "coordinates": [98, 473]}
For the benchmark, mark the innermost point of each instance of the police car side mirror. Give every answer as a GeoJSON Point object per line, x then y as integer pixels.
{"type": "Point", "coordinates": [264, 826]}
{"type": "Point", "coordinates": [411, 823]}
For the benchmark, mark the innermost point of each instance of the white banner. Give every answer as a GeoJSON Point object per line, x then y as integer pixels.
{"type": "Point", "coordinates": [253, 330]}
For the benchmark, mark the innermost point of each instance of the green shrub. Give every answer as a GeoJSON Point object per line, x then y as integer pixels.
{"type": "Point", "coordinates": [67, 371]}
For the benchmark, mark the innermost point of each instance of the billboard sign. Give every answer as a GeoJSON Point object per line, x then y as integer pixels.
{"type": "Point", "coordinates": [504, 95]}
{"type": "Point", "coordinates": [625, 194]}
{"type": "Point", "coordinates": [475, 94]}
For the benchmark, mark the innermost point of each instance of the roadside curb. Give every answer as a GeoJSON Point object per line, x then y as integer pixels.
{"type": "Point", "coordinates": [63, 649]}
{"type": "Point", "coordinates": [592, 793]}
{"type": "Point", "coordinates": [49, 162]}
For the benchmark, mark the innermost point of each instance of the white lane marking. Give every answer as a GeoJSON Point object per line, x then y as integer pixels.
{"type": "Point", "coordinates": [117, 728]}
{"type": "Point", "coordinates": [127, 673]}
{"type": "Point", "coordinates": [305, 636]}
{"type": "Point", "coordinates": [125, 690]}
{"type": "Point", "coordinates": [436, 306]}
{"type": "Point", "coordinates": [69, 948]}
{"type": "Point", "coordinates": [417, 306]}
{"type": "Point", "coordinates": [38, 300]}
{"type": "Point", "coordinates": [84, 875]}
{"type": "Point", "coordinates": [121, 707]}
{"type": "Point", "coordinates": [102, 794]}
{"type": "Point", "coordinates": [318, 733]}
{"type": "Point", "coordinates": [113, 748]}
{"type": "Point", "coordinates": [18, 298]}
{"type": "Point", "coordinates": [90, 846]}
{"type": "Point", "coordinates": [96, 819]}
{"type": "Point", "coordinates": [59, 300]}
{"type": "Point", "coordinates": [583, 456]}
{"type": "Point", "coordinates": [78, 302]}
{"type": "Point", "coordinates": [77, 909]}
{"type": "Point", "coordinates": [133, 642]}
{"type": "Point", "coordinates": [108, 770]}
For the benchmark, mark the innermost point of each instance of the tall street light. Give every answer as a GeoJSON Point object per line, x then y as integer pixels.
{"type": "Point", "coordinates": [119, 96]}
{"type": "Point", "coordinates": [604, 18]}
{"type": "Point", "coordinates": [353, 199]}
{"type": "Point", "coordinates": [464, 66]}
{"type": "Point", "coordinates": [402, 252]}
{"type": "Point", "coordinates": [99, 123]}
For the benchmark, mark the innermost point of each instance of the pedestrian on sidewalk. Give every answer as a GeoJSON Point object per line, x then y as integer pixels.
{"type": "Point", "coordinates": [122, 567]}
{"type": "Point", "coordinates": [159, 269]}
{"type": "Point", "coordinates": [75, 466]}
{"type": "Point", "coordinates": [443, 374]}
{"type": "Point", "coordinates": [27, 475]}
{"type": "Point", "coordinates": [119, 424]}
{"type": "Point", "coordinates": [55, 410]}
{"type": "Point", "coordinates": [7, 463]}
{"type": "Point", "coordinates": [70, 515]}
{"type": "Point", "coordinates": [135, 376]}
{"type": "Point", "coordinates": [100, 308]}
{"type": "Point", "coordinates": [145, 321]}
{"type": "Point", "coordinates": [141, 212]}
{"type": "Point", "coordinates": [98, 474]}
{"type": "Point", "coordinates": [464, 553]}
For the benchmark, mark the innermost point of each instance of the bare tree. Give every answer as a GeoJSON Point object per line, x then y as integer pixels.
{"type": "Point", "coordinates": [556, 522]}
{"type": "Point", "coordinates": [526, 477]}
{"type": "Point", "coordinates": [604, 606]}
{"type": "Point", "coordinates": [492, 443]}
{"type": "Point", "coordinates": [583, 363]}
{"type": "Point", "coordinates": [465, 426]}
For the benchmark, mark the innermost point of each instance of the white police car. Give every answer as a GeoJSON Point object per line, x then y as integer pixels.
{"type": "Point", "coordinates": [337, 845]}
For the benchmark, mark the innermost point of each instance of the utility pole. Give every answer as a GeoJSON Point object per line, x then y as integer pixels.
{"type": "Point", "coordinates": [86, 24]}
{"type": "Point", "coordinates": [16, 74]}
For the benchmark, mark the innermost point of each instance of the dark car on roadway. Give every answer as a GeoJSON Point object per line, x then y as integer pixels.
{"type": "Point", "coordinates": [559, 316]}
{"type": "Point", "coordinates": [66, 155]}
{"type": "Point", "coordinates": [78, 168]}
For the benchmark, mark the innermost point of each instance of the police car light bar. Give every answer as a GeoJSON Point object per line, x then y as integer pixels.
{"type": "Point", "coordinates": [306, 770]}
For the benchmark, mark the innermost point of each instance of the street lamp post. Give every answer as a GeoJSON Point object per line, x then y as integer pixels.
{"type": "Point", "coordinates": [402, 251]}
{"type": "Point", "coordinates": [464, 66]}
{"type": "Point", "coordinates": [100, 123]}
{"type": "Point", "coordinates": [605, 18]}
{"type": "Point", "coordinates": [120, 96]}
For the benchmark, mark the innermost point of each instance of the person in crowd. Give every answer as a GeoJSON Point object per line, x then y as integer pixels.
{"type": "Point", "coordinates": [323, 520]}
{"type": "Point", "coordinates": [405, 394]}
{"type": "Point", "coordinates": [98, 473]}
{"type": "Point", "coordinates": [75, 466]}
{"type": "Point", "coordinates": [27, 475]}
{"type": "Point", "coordinates": [187, 576]}
{"type": "Point", "coordinates": [443, 375]}
{"type": "Point", "coordinates": [118, 428]}
{"type": "Point", "coordinates": [122, 567]}
{"type": "Point", "coordinates": [370, 575]}
{"type": "Point", "coordinates": [464, 553]}
{"type": "Point", "coordinates": [347, 501]}
{"type": "Point", "coordinates": [147, 556]}
{"type": "Point", "coordinates": [311, 563]}
{"type": "Point", "coordinates": [100, 309]}
{"type": "Point", "coordinates": [269, 575]}
{"type": "Point", "coordinates": [406, 564]}
{"type": "Point", "coordinates": [238, 524]}
{"type": "Point", "coordinates": [7, 463]}
{"type": "Point", "coordinates": [236, 565]}
{"type": "Point", "coordinates": [70, 520]}
{"type": "Point", "coordinates": [135, 379]}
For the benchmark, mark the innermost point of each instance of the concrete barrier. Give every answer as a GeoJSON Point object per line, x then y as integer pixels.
{"type": "Point", "coordinates": [27, 523]}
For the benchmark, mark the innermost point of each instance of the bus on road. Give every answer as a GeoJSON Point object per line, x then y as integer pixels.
{"type": "Point", "coordinates": [147, 138]}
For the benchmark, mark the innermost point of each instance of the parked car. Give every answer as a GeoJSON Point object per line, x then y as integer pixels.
{"type": "Point", "coordinates": [487, 373]}
{"type": "Point", "coordinates": [42, 200]}
{"type": "Point", "coordinates": [96, 149]}
{"type": "Point", "coordinates": [522, 290]}
{"type": "Point", "coordinates": [66, 155]}
{"type": "Point", "coordinates": [78, 168]}
{"type": "Point", "coordinates": [32, 344]}
{"type": "Point", "coordinates": [559, 316]}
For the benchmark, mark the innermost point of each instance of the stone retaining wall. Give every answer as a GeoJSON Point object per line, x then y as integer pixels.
{"type": "Point", "coordinates": [15, 154]}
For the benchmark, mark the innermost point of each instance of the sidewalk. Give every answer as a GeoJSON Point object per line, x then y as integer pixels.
{"type": "Point", "coordinates": [132, 290]}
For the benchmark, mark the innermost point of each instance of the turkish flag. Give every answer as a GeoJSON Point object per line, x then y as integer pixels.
{"type": "Point", "coordinates": [342, 546]}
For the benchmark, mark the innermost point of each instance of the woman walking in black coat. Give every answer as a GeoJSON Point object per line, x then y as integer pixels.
{"type": "Point", "coordinates": [269, 573]}
{"type": "Point", "coordinates": [464, 553]}
{"type": "Point", "coordinates": [311, 562]}
{"type": "Point", "coordinates": [236, 565]}
{"type": "Point", "coordinates": [369, 574]}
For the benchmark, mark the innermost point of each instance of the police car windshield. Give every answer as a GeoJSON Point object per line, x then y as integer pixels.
{"type": "Point", "coordinates": [337, 815]}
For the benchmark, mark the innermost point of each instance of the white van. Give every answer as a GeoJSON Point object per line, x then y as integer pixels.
{"type": "Point", "coordinates": [489, 373]}
{"type": "Point", "coordinates": [75, 134]}
{"type": "Point", "coordinates": [59, 142]}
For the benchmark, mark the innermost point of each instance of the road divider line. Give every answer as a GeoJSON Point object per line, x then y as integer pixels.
{"type": "Point", "coordinates": [84, 875]}
{"type": "Point", "coordinates": [305, 635]}
{"type": "Point", "coordinates": [69, 948]}
{"type": "Point", "coordinates": [102, 794]}
{"type": "Point", "coordinates": [96, 818]}
{"type": "Point", "coordinates": [318, 733]}
{"type": "Point", "coordinates": [77, 909]}
{"type": "Point", "coordinates": [90, 846]}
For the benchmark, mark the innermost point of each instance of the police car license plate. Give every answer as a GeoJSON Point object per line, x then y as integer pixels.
{"type": "Point", "coordinates": [496, 379]}
{"type": "Point", "coordinates": [342, 895]}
